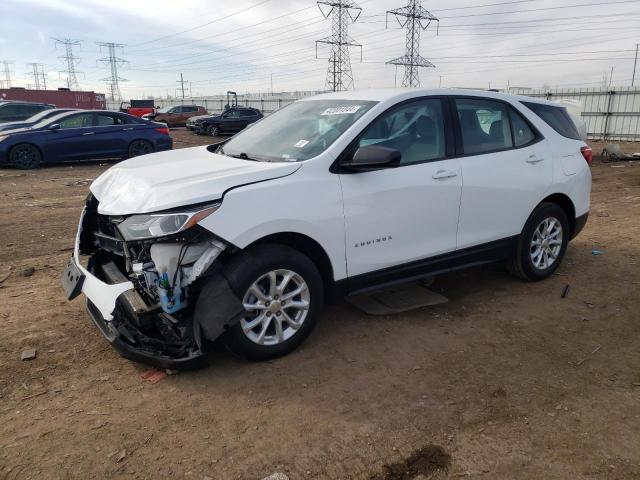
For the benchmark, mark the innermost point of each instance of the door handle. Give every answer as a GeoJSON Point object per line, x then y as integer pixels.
{"type": "Point", "coordinates": [89, 133]}
{"type": "Point", "coordinates": [534, 159]}
{"type": "Point", "coordinates": [125, 129]}
{"type": "Point", "coordinates": [442, 174]}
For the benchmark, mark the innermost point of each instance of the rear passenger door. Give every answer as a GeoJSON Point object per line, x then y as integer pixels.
{"type": "Point", "coordinates": [506, 170]}
{"type": "Point", "coordinates": [112, 135]}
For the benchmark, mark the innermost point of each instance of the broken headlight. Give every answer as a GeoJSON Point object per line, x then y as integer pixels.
{"type": "Point", "coordinates": [140, 227]}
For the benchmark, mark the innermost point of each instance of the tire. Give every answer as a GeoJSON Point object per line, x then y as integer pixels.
{"type": "Point", "coordinates": [139, 147]}
{"type": "Point", "coordinates": [25, 156]}
{"type": "Point", "coordinates": [213, 131]}
{"type": "Point", "coordinates": [255, 268]}
{"type": "Point", "coordinates": [547, 226]}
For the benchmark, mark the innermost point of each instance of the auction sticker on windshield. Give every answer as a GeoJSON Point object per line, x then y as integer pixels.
{"type": "Point", "coordinates": [342, 110]}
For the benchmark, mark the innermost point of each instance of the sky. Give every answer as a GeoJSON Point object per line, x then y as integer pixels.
{"type": "Point", "coordinates": [256, 45]}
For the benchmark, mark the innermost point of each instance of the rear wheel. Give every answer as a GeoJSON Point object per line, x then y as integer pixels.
{"type": "Point", "coordinates": [282, 293]}
{"type": "Point", "coordinates": [542, 244]}
{"type": "Point", "coordinates": [25, 156]}
{"type": "Point", "coordinates": [213, 131]}
{"type": "Point", "coordinates": [140, 147]}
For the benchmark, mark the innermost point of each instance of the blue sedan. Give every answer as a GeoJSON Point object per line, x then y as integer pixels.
{"type": "Point", "coordinates": [82, 135]}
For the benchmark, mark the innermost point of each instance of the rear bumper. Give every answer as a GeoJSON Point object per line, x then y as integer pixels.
{"type": "Point", "coordinates": [164, 144]}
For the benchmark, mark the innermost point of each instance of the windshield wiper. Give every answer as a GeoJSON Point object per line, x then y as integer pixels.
{"type": "Point", "coordinates": [243, 156]}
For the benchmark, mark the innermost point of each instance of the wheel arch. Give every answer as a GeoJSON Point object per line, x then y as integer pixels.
{"type": "Point", "coordinates": [31, 144]}
{"type": "Point", "coordinates": [307, 246]}
{"type": "Point", "coordinates": [564, 202]}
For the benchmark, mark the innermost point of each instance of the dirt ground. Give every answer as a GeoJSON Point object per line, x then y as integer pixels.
{"type": "Point", "coordinates": [506, 381]}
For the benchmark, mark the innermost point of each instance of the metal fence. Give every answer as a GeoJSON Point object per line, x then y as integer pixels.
{"type": "Point", "coordinates": [266, 103]}
{"type": "Point", "coordinates": [610, 113]}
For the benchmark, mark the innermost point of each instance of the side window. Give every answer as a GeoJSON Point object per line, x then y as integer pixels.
{"type": "Point", "coordinates": [557, 118]}
{"type": "Point", "coordinates": [31, 109]}
{"type": "Point", "coordinates": [107, 120]}
{"type": "Point", "coordinates": [10, 109]}
{"type": "Point", "coordinates": [522, 133]}
{"type": "Point", "coordinates": [247, 114]}
{"type": "Point", "coordinates": [175, 110]}
{"type": "Point", "coordinates": [485, 126]}
{"type": "Point", "coordinates": [232, 114]}
{"type": "Point", "coordinates": [415, 129]}
{"type": "Point", "coordinates": [77, 121]}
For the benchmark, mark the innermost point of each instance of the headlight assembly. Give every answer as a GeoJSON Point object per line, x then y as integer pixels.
{"type": "Point", "coordinates": [140, 227]}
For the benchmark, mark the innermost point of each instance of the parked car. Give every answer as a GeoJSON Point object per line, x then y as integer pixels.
{"type": "Point", "coordinates": [14, 111]}
{"type": "Point", "coordinates": [191, 123]}
{"type": "Point", "coordinates": [37, 118]}
{"type": "Point", "coordinates": [82, 135]}
{"type": "Point", "coordinates": [336, 194]}
{"type": "Point", "coordinates": [229, 122]}
{"type": "Point", "coordinates": [177, 116]}
{"type": "Point", "coordinates": [138, 108]}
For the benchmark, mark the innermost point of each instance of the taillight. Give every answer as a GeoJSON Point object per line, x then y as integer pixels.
{"type": "Point", "coordinates": [587, 153]}
{"type": "Point", "coordinates": [163, 130]}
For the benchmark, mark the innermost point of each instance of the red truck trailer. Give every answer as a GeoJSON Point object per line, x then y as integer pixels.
{"type": "Point", "coordinates": [61, 98]}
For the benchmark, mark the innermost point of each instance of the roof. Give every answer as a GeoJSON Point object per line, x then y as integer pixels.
{"type": "Point", "coordinates": [387, 94]}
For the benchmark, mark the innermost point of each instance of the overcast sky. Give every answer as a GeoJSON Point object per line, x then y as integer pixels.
{"type": "Point", "coordinates": [241, 45]}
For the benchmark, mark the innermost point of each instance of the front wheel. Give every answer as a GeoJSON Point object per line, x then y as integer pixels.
{"type": "Point", "coordinates": [282, 293]}
{"type": "Point", "coordinates": [25, 156]}
{"type": "Point", "coordinates": [542, 244]}
{"type": "Point", "coordinates": [213, 131]}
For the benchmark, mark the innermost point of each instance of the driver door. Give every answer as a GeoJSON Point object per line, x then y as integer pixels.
{"type": "Point", "coordinates": [74, 140]}
{"type": "Point", "coordinates": [398, 217]}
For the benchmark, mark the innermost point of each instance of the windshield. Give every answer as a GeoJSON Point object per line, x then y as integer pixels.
{"type": "Point", "coordinates": [297, 132]}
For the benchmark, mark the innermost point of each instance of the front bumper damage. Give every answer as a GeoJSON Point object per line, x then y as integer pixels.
{"type": "Point", "coordinates": [134, 321]}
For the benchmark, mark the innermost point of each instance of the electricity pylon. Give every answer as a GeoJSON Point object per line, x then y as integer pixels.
{"type": "Point", "coordinates": [339, 74]}
{"type": "Point", "coordinates": [70, 59]}
{"type": "Point", "coordinates": [414, 18]}
{"type": "Point", "coordinates": [6, 73]}
{"type": "Point", "coordinates": [113, 81]}
{"type": "Point", "coordinates": [39, 77]}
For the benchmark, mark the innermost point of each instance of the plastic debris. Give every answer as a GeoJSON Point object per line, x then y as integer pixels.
{"type": "Point", "coordinates": [595, 251]}
{"type": "Point", "coordinates": [154, 375]}
{"type": "Point", "coordinates": [28, 354]}
{"type": "Point", "coordinates": [565, 291]}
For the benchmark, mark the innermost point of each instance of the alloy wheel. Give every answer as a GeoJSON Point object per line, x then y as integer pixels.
{"type": "Point", "coordinates": [277, 304]}
{"type": "Point", "coordinates": [546, 243]}
{"type": "Point", "coordinates": [140, 148]}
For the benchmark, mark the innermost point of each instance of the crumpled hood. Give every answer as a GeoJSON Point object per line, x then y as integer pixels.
{"type": "Point", "coordinates": [176, 178]}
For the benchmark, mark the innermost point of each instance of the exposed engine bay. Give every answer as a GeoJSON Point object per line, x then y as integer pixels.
{"type": "Point", "coordinates": [160, 316]}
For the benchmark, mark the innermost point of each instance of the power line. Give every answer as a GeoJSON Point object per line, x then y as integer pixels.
{"type": "Point", "coordinates": [71, 60]}
{"type": "Point", "coordinates": [203, 24]}
{"type": "Point", "coordinates": [416, 18]}
{"type": "Point", "coordinates": [113, 81]}
{"type": "Point", "coordinates": [339, 74]}
{"type": "Point", "coordinates": [38, 75]}
{"type": "Point", "coordinates": [6, 72]}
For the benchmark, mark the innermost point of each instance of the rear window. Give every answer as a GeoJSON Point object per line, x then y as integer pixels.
{"type": "Point", "coordinates": [557, 118]}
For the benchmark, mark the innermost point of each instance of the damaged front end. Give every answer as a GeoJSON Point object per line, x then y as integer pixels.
{"type": "Point", "coordinates": [154, 283]}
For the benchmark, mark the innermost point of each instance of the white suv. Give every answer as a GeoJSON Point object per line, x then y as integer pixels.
{"type": "Point", "coordinates": [333, 195]}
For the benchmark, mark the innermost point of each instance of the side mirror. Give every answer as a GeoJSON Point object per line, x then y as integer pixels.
{"type": "Point", "coordinates": [372, 157]}
{"type": "Point", "coordinates": [55, 126]}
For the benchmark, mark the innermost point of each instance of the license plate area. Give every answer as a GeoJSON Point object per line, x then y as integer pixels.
{"type": "Point", "coordinates": [72, 280]}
